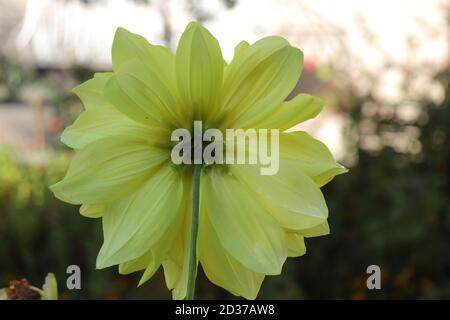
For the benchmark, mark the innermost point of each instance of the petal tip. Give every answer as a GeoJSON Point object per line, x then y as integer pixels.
{"type": "Point", "coordinates": [142, 281]}
{"type": "Point", "coordinates": [100, 262]}
{"type": "Point", "coordinates": [121, 31]}
{"type": "Point", "coordinates": [194, 24]}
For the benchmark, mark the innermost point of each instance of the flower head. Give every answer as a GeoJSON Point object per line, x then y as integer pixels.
{"type": "Point", "coordinates": [248, 223]}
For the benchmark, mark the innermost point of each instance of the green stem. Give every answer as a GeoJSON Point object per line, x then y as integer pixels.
{"type": "Point", "coordinates": [192, 272]}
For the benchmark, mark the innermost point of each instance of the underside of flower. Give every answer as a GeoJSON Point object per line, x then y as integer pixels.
{"type": "Point", "coordinates": [245, 223]}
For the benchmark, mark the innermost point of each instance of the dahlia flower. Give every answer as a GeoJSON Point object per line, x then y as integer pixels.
{"type": "Point", "coordinates": [237, 224]}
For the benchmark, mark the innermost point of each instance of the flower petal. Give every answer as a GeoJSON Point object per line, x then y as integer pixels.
{"type": "Point", "coordinates": [101, 119]}
{"type": "Point", "coordinates": [92, 210]}
{"type": "Point", "coordinates": [221, 268]}
{"type": "Point", "coordinates": [129, 46]}
{"type": "Point", "coordinates": [291, 196]}
{"type": "Point", "coordinates": [259, 79]}
{"type": "Point", "coordinates": [296, 238]}
{"type": "Point", "coordinates": [133, 225]}
{"type": "Point", "coordinates": [132, 97]}
{"type": "Point", "coordinates": [90, 92]}
{"type": "Point", "coordinates": [296, 244]}
{"type": "Point", "coordinates": [108, 169]}
{"type": "Point", "coordinates": [172, 272]}
{"type": "Point", "coordinates": [301, 108]}
{"type": "Point", "coordinates": [317, 231]}
{"type": "Point", "coordinates": [136, 264]}
{"type": "Point", "coordinates": [311, 155]}
{"type": "Point", "coordinates": [151, 260]}
{"type": "Point", "coordinates": [99, 123]}
{"type": "Point", "coordinates": [240, 48]}
{"type": "Point", "coordinates": [245, 228]}
{"type": "Point", "coordinates": [143, 86]}
{"type": "Point", "coordinates": [199, 70]}
{"type": "Point", "coordinates": [160, 252]}
{"type": "Point", "coordinates": [176, 266]}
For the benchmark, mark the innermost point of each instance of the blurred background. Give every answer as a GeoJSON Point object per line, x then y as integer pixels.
{"type": "Point", "coordinates": [381, 66]}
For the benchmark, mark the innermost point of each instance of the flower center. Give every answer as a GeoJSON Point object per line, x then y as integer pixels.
{"type": "Point", "coordinates": [237, 146]}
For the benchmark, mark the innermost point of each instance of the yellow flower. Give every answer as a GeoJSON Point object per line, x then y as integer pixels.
{"type": "Point", "coordinates": [248, 224]}
{"type": "Point", "coordinates": [22, 290]}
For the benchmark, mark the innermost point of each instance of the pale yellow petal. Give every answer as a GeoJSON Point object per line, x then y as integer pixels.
{"type": "Point", "coordinates": [320, 230]}
{"type": "Point", "coordinates": [90, 92]}
{"type": "Point", "coordinates": [101, 119]}
{"type": "Point", "coordinates": [161, 250]}
{"type": "Point", "coordinates": [289, 113]}
{"type": "Point", "coordinates": [221, 268]}
{"type": "Point", "coordinates": [92, 210]}
{"type": "Point", "coordinates": [293, 199]}
{"type": "Point", "coordinates": [245, 228]}
{"type": "Point", "coordinates": [309, 155]}
{"type": "Point", "coordinates": [258, 80]}
{"type": "Point", "coordinates": [133, 225]}
{"type": "Point", "coordinates": [108, 169]}
{"type": "Point", "coordinates": [143, 86]}
{"type": "Point", "coordinates": [199, 69]}
{"type": "Point", "coordinates": [136, 264]}
{"type": "Point", "coordinates": [103, 122]}
{"type": "Point", "coordinates": [296, 244]}
{"type": "Point", "coordinates": [240, 48]}
{"type": "Point", "coordinates": [129, 46]}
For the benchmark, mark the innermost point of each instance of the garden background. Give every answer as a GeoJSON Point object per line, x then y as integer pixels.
{"type": "Point", "coordinates": [383, 69]}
